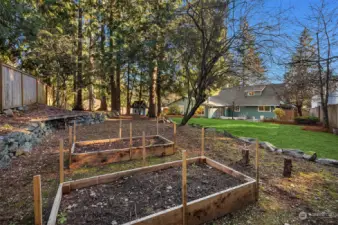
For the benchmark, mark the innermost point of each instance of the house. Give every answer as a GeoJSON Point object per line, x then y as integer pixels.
{"type": "Point", "coordinates": [256, 102]}
{"type": "Point", "coordinates": [139, 108]}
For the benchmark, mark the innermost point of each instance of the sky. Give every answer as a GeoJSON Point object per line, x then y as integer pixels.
{"type": "Point", "coordinates": [296, 12]}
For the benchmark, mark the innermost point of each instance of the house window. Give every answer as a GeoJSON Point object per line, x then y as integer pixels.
{"type": "Point", "coordinates": [237, 109]}
{"type": "Point", "coordinates": [264, 108]}
{"type": "Point", "coordinates": [254, 93]}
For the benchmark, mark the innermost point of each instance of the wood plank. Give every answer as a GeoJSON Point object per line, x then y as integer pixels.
{"type": "Point", "coordinates": [143, 149]}
{"type": "Point", "coordinates": [228, 170]}
{"type": "Point", "coordinates": [37, 200]}
{"type": "Point", "coordinates": [184, 187]}
{"type": "Point", "coordinates": [130, 138]}
{"type": "Point", "coordinates": [102, 179]}
{"type": "Point", "coordinates": [2, 87]}
{"type": "Point", "coordinates": [257, 169]}
{"type": "Point", "coordinates": [56, 205]}
{"type": "Point", "coordinates": [120, 129]}
{"type": "Point", "coordinates": [202, 141]}
{"type": "Point", "coordinates": [61, 161]}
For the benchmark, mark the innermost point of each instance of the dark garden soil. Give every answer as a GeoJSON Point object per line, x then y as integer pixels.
{"type": "Point", "coordinates": [119, 144]}
{"type": "Point", "coordinates": [134, 197]}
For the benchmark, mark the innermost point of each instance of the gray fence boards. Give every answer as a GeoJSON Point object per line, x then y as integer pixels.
{"type": "Point", "coordinates": [332, 111]}
{"type": "Point", "coordinates": [19, 88]}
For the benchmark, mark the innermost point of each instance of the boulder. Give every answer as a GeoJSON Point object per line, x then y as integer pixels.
{"type": "Point", "coordinates": [9, 112]}
{"type": "Point", "coordinates": [268, 146]}
{"type": "Point", "coordinates": [312, 157]}
{"type": "Point", "coordinates": [27, 147]}
{"type": "Point", "coordinates": [293, 152]}
{"type": "Point", "coordinates": [328, 162]}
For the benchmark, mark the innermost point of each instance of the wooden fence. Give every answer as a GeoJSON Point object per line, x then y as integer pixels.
{"type": "Point", "coordinates": [333, 114]}
{"type": "Point", "coordinates": [19, 88]}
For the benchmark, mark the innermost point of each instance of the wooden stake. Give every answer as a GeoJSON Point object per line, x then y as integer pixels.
{"type": "Point", "coordinates": [157, 125]}
{"type": "Point", "coordinates": [120, 130]}
{"type": "Point", "coordinates": [184, 187]}
{"type": "Point", "coordinates": [174, 137]}
{"type": "Point", "coordinates": [144, 148]}
{"type": "Point", "coordinates": [70, 135]}
{"type": "Point", "coordinates": [74, 133]}
{"type": "Point", "coordinates": [130, 139]}
{"type": "Point", "coordinates": [37, 200]}
{"type": "Point", "coordinates": [61, 161]}
{"type": "Point", "coordinates": [257, 169]}
{"type": "Point", "coordinates": [287, 167]}
{"type": "Point", "coordinates": [202, 142]}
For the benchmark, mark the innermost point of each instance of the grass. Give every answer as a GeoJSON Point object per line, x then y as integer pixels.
{"type": "Point", "coordinates": [280, 135]}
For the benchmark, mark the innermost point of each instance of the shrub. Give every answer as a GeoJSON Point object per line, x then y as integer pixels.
{"type": "Point", "coordinates": [174, 110]}
{"type": "Point", "coordinates": [308, 120]}
{"type": "Point", "coordinates": [279, 112]}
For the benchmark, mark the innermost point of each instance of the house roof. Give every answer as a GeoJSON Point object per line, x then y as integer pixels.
{"type": "Point", "coordinates": [271, 96]}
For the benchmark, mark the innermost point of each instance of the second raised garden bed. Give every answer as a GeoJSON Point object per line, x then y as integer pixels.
{"type": "Point", "coordinates": [151, 195]}
{"type": "Point", "coordinates": [119, 149]}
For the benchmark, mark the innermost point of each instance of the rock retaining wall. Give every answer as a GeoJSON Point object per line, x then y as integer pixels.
{"type": "Point", "coordinates": [18, 143]}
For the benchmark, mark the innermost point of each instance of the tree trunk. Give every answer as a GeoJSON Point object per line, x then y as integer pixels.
{"type": "Point", "coordinates": [103, 88]}
{"type": "Point", "coordinates": [112, 67]}
{"type": "Point", "coordinates": [299, 110]}
{"type": "Point", "coordinates": [187, 117]}
{"type": "Point", "coordinates": [91, 74]}
{"type": "Point", "coordinates": [152, 91]}
{"type": "Point", "coordinates": [118, 87]}
{"type": "Point", "coordinates": [158, 91]}
{"type": "Point", "coordinates": [128, 90]}
{"type": "Point", "coordinates": [78, 103]}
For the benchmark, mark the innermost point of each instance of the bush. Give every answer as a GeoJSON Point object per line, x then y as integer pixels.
{"type": "Point", "coordinates": [174, 110]}
{"type": "Point", "coordinates": [279, 113]}
{"type": "Point", "coordinates": [308, 120]}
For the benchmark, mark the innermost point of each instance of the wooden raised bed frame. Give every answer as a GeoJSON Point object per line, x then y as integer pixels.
{"type": "Point", "coordinates": [118, 155]}
{"type": "Point", "coordinates": [198, 211]}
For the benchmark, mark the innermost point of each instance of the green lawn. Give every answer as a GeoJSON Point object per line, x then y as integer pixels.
{"type": "Point", "coordinates": [282, 136]}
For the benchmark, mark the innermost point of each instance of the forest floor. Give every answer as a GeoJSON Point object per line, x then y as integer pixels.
{"type": "Point", "coordinates": [312, 189]}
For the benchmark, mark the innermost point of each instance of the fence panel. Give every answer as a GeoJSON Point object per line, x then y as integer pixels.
{"type": "Point", "coordinates": [11, 91]}
{"type": "Point", "coordinates": [42, 95]}
{"type": "Point", "coordinates": [333, 115]}
{"type": "Point", "coordinates": [29, 90]}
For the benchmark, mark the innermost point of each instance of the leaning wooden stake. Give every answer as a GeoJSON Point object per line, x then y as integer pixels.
{"type": "Point", "coordinates": [174, 136]}
{"type": "Point", "coordinates": [130, 139]}
{"type": "Point", "coordinates": [184, 187]}
{"type": "Point", "coordinates": [257, 169]}
{"type": "Point", "coordinates": [202, 142]}
{"type": "Point", "coordinates": [61, 161]}
{"type": "Point", "coordinates": [144, 149]}
{"type": "Point", "coordinates": [37, 200]}
{"type": "Point", "coordinates": [120, 130]}
{"type": "Point", "coordinates": [74, 132]}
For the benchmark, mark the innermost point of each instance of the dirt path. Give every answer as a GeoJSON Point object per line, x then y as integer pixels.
{"type": "Point", "coordinates": [312, 188]}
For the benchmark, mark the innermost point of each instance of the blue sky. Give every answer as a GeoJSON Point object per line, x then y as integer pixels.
{"type": "Point", "coordinates": [297, 12]}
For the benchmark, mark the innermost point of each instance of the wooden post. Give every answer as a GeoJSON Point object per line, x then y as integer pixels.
{"type": "Point", "coordinates": [37, 200]}
{"type": "Point", "coordinates": [120, 130]}
{"type": "Point", "coordinates": [156, 125]}
{"type": "Point", "coordinates": [74, 133]}
{"type": "Point", "coordinates": [61, 161]}
{"type": "Point", "coordinates": [37, 91]}
{"type": "Point", "coordinates": [245, 157]}
{"type": "Point", "coordinates": [287, 167]}
{"type": "Point", "coordinates": [174, 137]}
{"type": "Point", "coordinates": [144, 148]}
{"type": "Point", "coordinates": [130, 139]}
{"type": "Point", "coordinates": [202, 142]}
{"type": "Point", "coordinates": [257, 169]}
{"type": "Point", "coordinates": [184, 187]}
{"type": "Point", "coordinates": [70, 136]}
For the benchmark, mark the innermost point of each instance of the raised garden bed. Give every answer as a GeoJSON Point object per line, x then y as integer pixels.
{"type": "Point", "coordinates": [152, 195]}
{"type": "Point", "coordinates": [118, 149]}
